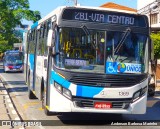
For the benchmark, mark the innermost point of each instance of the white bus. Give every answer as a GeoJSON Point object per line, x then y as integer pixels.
{"type": "Point", "coordinates": [89, 59]}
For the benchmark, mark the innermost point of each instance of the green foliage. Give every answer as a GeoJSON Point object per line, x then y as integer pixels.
{"type": "Point", "coordinates": [4, 45]}
{"type": "Point", "coordinates": [12, 12]}
{"type": "Point", "coordinates": [156, 41]}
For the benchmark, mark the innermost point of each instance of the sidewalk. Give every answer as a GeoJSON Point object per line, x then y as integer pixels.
{"type": "Point", "coordinates": [7, 110]}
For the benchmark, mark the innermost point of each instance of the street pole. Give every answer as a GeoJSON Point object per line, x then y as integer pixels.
{"type": "Point", "coordinates": [75, 2]}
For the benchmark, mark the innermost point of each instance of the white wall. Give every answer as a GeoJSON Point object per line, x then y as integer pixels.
{"type": "Point", "coordinates": [143, 3]}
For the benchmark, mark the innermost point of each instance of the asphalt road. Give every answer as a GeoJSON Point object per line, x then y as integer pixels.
{"type": "Point", "coordinates": [31, 109]}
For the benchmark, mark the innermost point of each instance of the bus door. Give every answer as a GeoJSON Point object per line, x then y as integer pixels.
{"type": "Point", "coordinates": [41, 60]}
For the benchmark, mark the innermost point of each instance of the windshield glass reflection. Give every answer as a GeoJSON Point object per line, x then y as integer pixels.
{"type": "Point", "coordinates": [84, 50]}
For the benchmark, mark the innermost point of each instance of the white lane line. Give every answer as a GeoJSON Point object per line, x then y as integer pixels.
{"type": "Point", "coordinates": [10, 105]}
{"type": "Point", "coordinates": [14, 112]}
{"type": "Point", "coordinates": [8, 100]}
{"type": "Point", "coordinates": [5, 92]}
{"type": "Point", "coordinates": [7, 96]}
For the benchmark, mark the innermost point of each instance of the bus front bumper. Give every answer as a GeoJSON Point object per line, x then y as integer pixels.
{"type": "Point", "coordinates": [59, 103]}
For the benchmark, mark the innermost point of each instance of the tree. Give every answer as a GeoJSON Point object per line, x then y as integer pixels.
{"type": "Point", "coordinates": [11, 14]}
{"type": "Point", "coordinates": [4, 45]}
{"type": "Point", "coordinates": [156, 41]}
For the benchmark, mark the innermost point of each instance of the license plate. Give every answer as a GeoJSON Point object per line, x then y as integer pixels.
{"type": "Point", "coordinates": [102, 105]}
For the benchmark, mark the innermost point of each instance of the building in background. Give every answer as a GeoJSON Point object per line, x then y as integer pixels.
{"type": "Point", "coordinates": [117, 6]}
{"type": "Point", "coordinates": [19, 30]}
{"type": "Point", "coordinates": [151, 8]}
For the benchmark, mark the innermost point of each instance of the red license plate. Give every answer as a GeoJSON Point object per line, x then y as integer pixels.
{"type": "Point", "coordinates": [102, 105]}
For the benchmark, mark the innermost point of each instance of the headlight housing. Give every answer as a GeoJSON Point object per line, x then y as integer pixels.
{"type": "Point", "coordinates": [58, 87]}
{"type": "Point", "coordinates": [65, 92]}
{"type": "Point", "coordinates": [139, 94]}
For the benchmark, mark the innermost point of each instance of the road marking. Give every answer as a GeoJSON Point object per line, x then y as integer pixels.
{"type": "Point", "coordinates": [14, 112]}
{"type": "Point", "coordinates": [10, 105]}
{"type": "Point", "coordinates": [5, 92]}
{"type": "Point", "coordinates": [25, 106]}
{"type": "Point", "coordinates": [40, 109]}
{"type": "Point", "coordinates": [7, 96]}
{"type": "Point", "coordinates": [8, 100]}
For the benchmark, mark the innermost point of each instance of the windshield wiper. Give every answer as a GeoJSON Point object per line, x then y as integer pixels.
{"type": "Point", "coordinates": [128, 30]}
{"type": "Point", "coordinates": [85, 29]}
{"type": "Point", "coordinates": [87, 32]}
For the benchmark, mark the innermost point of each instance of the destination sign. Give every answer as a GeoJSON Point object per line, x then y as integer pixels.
{"type": "Point", "coordinates": [95, 17]}
{"type": "Point", "coordinates": [107, 17]}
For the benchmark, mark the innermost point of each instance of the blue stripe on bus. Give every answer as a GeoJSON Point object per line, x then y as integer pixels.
{"type": "Point", "coordinates": [31, 61]}
{"type": "Point", "coordinates": [87, 91]}
{"type": "Point", "coordinates": [59, 79]}
{"type": "Point", "coordinates": [66, 84]}
{"type": "Point", "coordinates": [82, 91]}
{"type": "Point", "coordinates": [34, 25]}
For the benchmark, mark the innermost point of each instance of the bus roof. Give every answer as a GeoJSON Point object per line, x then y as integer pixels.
{"type": "Point", "coordinates": [59, 9]}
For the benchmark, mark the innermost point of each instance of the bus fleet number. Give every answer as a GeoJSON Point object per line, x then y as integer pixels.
{"type": "Point", "coordinates": [123, 93]}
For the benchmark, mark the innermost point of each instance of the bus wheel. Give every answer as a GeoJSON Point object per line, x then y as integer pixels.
{"type": "Point", "coordinates": [30, 93]}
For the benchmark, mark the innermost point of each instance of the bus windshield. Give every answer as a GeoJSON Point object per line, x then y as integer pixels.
{"type": "Point", "coordinates": [84, 50]}
{"type": "Point", "coordinates": [13, 58]}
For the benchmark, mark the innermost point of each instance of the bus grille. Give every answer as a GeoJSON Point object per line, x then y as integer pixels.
{"type": "Point", "coordinates": [103, 80]}
{"type": "Point", "coordinates": [89, 103]}
{"type": "Point", "coordinates": [106, 81]}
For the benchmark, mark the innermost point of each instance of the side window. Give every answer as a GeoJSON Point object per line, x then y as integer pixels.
{"type": "Point", "coordinates": [38, 42]}
{"type": "Point", "coordinates": [41, 43]}
{"type": "Point", "coordinates": [48, 26]}
{"type": "Point", "coordinates": [32, 42]}
{"type": "Point", "coordinates": [42, 34]}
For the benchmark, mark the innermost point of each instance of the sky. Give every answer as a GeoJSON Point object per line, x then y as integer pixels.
{"type": "Point", "coordinates": [46, 6]}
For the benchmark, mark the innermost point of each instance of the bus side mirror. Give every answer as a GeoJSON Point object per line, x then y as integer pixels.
{"type": "Point", "coordinates": [50, 38]}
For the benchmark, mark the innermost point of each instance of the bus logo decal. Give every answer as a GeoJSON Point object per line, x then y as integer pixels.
{"type": "Point", "coordinates": [121, 67]}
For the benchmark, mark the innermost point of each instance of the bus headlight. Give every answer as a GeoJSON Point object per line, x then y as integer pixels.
{"type": "Point", "coordinates": [139, 93]}
{"type": "Point", "coordinates": [136, 95]}
{"type": "Point", "coordinates": [65, 92]}
{"type": "Point", "coordinates": [143, 91]}
{"type": "Point", "coordinates": [58, 87]}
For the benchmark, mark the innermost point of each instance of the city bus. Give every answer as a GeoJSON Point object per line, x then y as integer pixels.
{"type": "Point", "coordinates": [89, 59]}
{"type": "Point", "coordinates": [13, 61]}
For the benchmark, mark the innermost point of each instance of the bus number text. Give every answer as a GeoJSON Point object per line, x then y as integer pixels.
{"type": "Point", "coordinates": [123, 93]}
